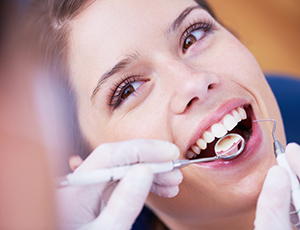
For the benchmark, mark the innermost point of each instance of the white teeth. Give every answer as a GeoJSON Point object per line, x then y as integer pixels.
{"type": "Point", "coordinates": [229, 122]}
{"type": "Point", "coordinates": [202, 143]}
{"type": "Point", "coordinates": [218, 130]}
{"type": "Point", "coordinates": [208, 136]}
{"type": "Point", "coordinates": [236, 115]}
{"type": "Point", "coordinates": [242, 112]}
{"type": "Point", "coordinates": [196, 149]}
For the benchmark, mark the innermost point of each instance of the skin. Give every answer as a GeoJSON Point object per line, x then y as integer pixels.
{"type": "Point", "coordinates": [179, 95]}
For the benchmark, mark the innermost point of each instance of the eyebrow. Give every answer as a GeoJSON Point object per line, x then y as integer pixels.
{"type": "Point", "coordinates": [121, 65]}
{"type": "Point", "coordinates": [124, 63]}
{"type": "Point", "coordinates": [175, 25]}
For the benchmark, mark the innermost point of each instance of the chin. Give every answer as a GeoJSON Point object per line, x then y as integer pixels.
{"type": "Point", "coordinates": [201, 203]}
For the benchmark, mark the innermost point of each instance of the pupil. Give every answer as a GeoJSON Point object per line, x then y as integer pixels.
{"type": "Point", "coordinates": [190, 40]}
{"type": "Point", "coordinates": [129, 90]}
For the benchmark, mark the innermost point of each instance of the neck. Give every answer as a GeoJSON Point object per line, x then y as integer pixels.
{"type": "Point", "coordinates": [244, 221]}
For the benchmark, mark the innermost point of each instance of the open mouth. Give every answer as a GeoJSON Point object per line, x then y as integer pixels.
{"type": "Point", "coordinates": [237, 121]}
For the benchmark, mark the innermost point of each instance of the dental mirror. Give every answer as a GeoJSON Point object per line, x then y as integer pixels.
{"type": "Point", "coordinates": [229, 146]}
{"type": "Point", "coordinates": [226, 148]}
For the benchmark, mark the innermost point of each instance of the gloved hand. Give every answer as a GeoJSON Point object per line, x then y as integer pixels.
{"type": "Point", "coordinates": [82, 207]}
{"type": "Point", "coordinates": [273, 205]}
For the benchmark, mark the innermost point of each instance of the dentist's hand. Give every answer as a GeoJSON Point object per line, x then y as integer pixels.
{"type": "Point", "coordinates": [116, 205]}
{"type": "Point", "coordinates": [273, 205]}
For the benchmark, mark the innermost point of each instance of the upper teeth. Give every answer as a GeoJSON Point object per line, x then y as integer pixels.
{"type": "Point", "coordinates": [217, 130]}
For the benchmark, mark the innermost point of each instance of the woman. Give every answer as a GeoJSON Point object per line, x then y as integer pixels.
{"type": "Point", "coordinates": [168, 70]}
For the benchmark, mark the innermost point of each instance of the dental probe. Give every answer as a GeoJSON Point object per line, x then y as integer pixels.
{"type": "Point", "coordinates": [282, 161]}
{"type": "Point", "coordinates": [116, 173]}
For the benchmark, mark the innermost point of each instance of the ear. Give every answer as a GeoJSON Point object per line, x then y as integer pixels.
{"type": "Point", "coordinates": [74, 162]}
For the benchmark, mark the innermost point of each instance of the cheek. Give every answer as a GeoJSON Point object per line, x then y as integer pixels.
{"type": "Point", "coordinates": [238, 63]}
{"type": "Point", "coordinates": [248, 74]}
{"type": "Point", "coordinates": [234, 62]}
{"type": "Point", "coordinates": [143, 125]}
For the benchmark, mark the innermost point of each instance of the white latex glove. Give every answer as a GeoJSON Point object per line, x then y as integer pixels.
{"type": "Point", "coordinates": [273, 205]}
{"type": "Point", "coordinates": [81, 207]}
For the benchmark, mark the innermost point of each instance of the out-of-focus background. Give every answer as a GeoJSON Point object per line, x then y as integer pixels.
{"type": "Point", "coordinates": [269, 28]}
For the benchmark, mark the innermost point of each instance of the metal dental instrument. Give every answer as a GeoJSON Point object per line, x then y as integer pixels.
{"type": "Point", "coordinates": [282, 161]}
{"type": "Point", "coordinates": [116, 173]}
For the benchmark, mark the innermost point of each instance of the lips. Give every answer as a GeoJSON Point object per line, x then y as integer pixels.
{"type": "Point", "coordinates": [238, 120]}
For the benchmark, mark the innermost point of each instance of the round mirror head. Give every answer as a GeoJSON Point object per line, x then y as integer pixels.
{"type": "Point", "coordinates": [229, 146]}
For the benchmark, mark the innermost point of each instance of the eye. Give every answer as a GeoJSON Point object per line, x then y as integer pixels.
{"type": "Point", "coordinates": [130, 89]}
{"type": "Point", "coordinates": [195, 33]}
{"type": "Point", "coordinates": [192, 38]}
{"type": "Point", "coordinates": [125, 89]}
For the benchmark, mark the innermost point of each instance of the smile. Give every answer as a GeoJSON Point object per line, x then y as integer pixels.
{"type": "Point", "coordinates": [236, 121]}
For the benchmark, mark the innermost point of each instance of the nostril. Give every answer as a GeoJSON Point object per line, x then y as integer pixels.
{"type": "Point", "coordinates": [212, 85]}
{"type": "Point", "coordinates": [191, 101]}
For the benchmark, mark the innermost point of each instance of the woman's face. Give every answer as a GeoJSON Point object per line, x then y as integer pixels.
{"type": "Point", "coordinates": [167, 70]}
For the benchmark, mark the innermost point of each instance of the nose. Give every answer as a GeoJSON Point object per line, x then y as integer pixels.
{"type": "Point", "coordinates": [189, 86]}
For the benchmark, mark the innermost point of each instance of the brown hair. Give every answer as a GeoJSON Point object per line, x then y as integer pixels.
{"type": "Point", "coordinates": [48, 28]}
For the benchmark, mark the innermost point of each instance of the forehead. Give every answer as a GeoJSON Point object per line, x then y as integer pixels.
{"type": "Point", "coordinates": [109, 28]}
{"type": "Point", "coordinates": [101, 15]}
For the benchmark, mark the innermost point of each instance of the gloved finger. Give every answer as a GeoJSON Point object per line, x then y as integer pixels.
{"type": "Point", "coordinates": [129, 152]}
{"type": "Point", "coordinates": [166, 184]}
{"type": "Point", "coordinates": [274, 201]}
{"type": "Point", "coordinates": [126, 201]}
{"type": "Point", "coordinates": [293, 156]}
{"type": "Point", "coordinates": [163, 191]}
{"type": "Point", "coordinates": [168, 179]}
{"type": "Point", "coordinates": [74, 162]}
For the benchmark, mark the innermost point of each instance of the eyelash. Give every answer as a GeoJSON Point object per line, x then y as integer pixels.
{"type": "Point", "coordinates": [115, 98]}
{"type": "Point", "coordinates": [206, 26]}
